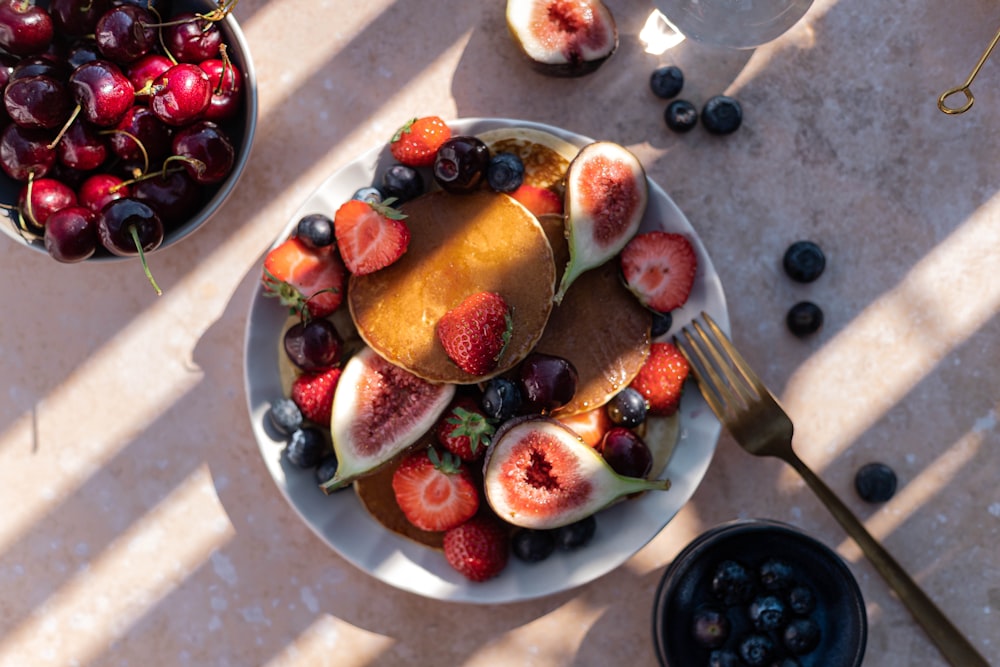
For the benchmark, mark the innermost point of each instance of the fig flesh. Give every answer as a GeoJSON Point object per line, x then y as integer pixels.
{"type": "Point", "coordinates": [379, 410]}
{"type": "Point", "coordinates": [539, 474]}
{"type": "Point", "coordinates": [606, 197]}
{"type": "Point", "coordinates": [565, 38]}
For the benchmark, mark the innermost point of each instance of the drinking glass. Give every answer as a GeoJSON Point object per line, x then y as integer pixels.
{"type": "Point", "coordinates": [739, 24]}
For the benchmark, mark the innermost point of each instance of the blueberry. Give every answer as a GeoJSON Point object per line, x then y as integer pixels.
{"type": "Point", "coordinates": [801, 635]}
{"type": "Point", "coordinates": [402, 182]}
{"type": "Point", "coordinates": [681, 116]}
{"type": "Point", "coordinates": [285, 416]}
{"type": "Point", "coordinates": [776, 575]}
{"type": "Point", "coordinates": [501, 399]}
{"type": "Point", "coordinates": [326, 469]}
{"type": "Point", "coordinates": [786, 662]}
{"type": "Point", "coordinates": [369, 194]}
{"type": "Point", "coordinates": [533, 546]}
{"type": "Point", "coordinates": [875, 482]}
{"type": "Point", "coordinates": [662, 322]}
{"type": "Point", "coordinates": [627, 408]}
{"type": "Point", "coordinates": [666, 82]}
{"type": "Point", "coordinates": [804, 318]}
{"type": "Point", "coordinates": [724, 658]}
{"type": "Point", "coordinates": [722, 115]}
{"type": "Point", "coordinates": [307, 447]}
{"type": "Point", "coordinates": [577, 534]}
{"type": "Point", "coordinates": [732, 583]}
{"type": "Point", "coordinates": [804, 261]}
{"type": "Point", "coordinates": [315, 230]}
{"type": "Point", "coordinates": [767, 613]}
{"type": "Point", "coordinates": [505, 172]}
{"type": "Point", "coordinates": [801, 599]}
{"type": "Point", "coordinates": [709, 627]}
{"type": "Point", "coordinates": [756, 650]}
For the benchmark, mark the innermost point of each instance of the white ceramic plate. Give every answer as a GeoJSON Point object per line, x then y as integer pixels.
{"type": "Point", "coordinates": [341, 521]}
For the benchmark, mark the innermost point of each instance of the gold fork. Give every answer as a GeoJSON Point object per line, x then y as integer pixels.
{"type": "Point", "coordinates": [758, 423]}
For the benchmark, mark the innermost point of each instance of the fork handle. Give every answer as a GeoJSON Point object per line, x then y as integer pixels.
{"type": "Point", "coordinates": [949, 640]}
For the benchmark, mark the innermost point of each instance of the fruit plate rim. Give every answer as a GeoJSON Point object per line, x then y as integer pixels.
{"type": "Point", "coordinates": [345, 526]}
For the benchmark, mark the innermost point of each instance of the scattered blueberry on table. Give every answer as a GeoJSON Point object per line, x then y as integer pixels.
{"type": "Point", "coordinates": [875, 482]}
{"type": "Point", "coordinates": [722, 115]}
{"type": "Point", "coordinates": [666, 82]}
{"type": "Point", "coordinates": [804, 261]}
{"type": "Point", "coordinates": [804, 318]}
{"type": "Point", "coordinates": [681, 116]}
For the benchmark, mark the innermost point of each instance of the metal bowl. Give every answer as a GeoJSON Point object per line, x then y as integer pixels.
{"type": "Point", "coordinates": [240, 129]}
{"type": "Point", "coordinates": [687, 586]}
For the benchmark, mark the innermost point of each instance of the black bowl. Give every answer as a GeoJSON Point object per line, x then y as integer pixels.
{"type": "Point", "coordinates": [687, 586]}
{"type": "Point", "coordinates": [240, 129]}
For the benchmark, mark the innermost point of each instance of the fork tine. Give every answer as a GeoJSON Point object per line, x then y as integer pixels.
{"type": "Point", "coordinates": [707, 385]}
{"type": "Point", "coordinates": [751, 378]}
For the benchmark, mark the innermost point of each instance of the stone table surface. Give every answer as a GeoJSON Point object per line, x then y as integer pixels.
{"type": "Point", "coordinates": [140, 526]}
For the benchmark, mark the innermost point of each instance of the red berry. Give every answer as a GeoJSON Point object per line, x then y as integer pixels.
{"type": "Point", "coordinates": [370, 236]}
{"type": "Point", "coordinates": [540, 201]}
{"type": "Point", "coordinates": [476, 332]}
{"type": "Point", "coordinates": [661, 379]}
{"type": "Point", "coordinates": [313, 393]}
{"type": "Point", "coordinates": [479, 548]}
{"type": "Point", "coordinates": [659, 268]}
{"type": "Point", "coordinates": [464, 430]}
{"type": "Point", "coordinates": [417, 141]}
{"type": "Point", "coordinates": [304, 277]}
{"type": "Point", "coordinates": [435, 492]}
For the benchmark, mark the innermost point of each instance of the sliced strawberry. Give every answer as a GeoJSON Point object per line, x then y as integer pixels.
{"type": "Point", "coordinates": [435, 492]}
{"type": "Point", "coordinates": [370, 236]}
{"type": "Point", "coordinates": [540, 201]}
{"type": "Point", "coordinates": [416, 143]}
{"type": "Point", "coordinates": [479, 548]}
{"type": "Point", "coordinates": [590, 425]}
{"type": "Point", "coordinates": [661, 379]}
{"type": "Point", "coordinates": [659, 268]}
{"type": "Point", "coordinates": [304, 278]}
{"type": "Point", "coordinates": [313, 393]}
{"type": "Point", "coordinates": [464, 430]}
{"type": "Point", "coordinates": [475, 332]}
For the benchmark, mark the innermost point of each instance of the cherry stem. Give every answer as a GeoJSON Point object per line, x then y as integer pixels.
{"type": "Point", "coordinates": [142, 258]}
{"type": "Point", "coordinates": [144, 177]}
{"type": "Point", "coordinates": [142, 149]}
{"type": "Point", "coordinates": [65, 127]}
{"type": "Point", "coordinates": [227, 66]}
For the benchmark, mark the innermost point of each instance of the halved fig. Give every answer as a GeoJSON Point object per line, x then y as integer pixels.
{"type": "Point", "coordinates": [606, 197]}
{"type": "Point", "coordinates": [540, 474]}
{"type": "Point", "coordinates": [379, 410]}
{"type": "Point", "coordinates": [563, 37]}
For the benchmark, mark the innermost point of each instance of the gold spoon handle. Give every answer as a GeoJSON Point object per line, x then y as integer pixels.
{"type": "Point", "coordinates": [964, 88]}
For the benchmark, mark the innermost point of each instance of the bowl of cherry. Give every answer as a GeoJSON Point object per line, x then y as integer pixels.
{"type": "Point", "coordinates": [758, 593]}
{"type": "Point", "coordinates": [125, 124]}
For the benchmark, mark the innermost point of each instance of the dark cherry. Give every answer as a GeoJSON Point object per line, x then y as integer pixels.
{"type": "Point", "coordinates": [227, 89]}
{"type": "Point", "coordinates": [71, 234]}
{"type": "Point", "coordinates": [30, 66]}
{"type": "Point", "coordinates": [77, 18]}
{"type": "Point", "coordinates": [82, 52]}
{"type": "Point", "coordinates": [314, 345]}
{"type": "Point", "coordinates": [25, 28]}
{"type": "Point", "coordinates": [138, 126]}
{"type": "Point", "coordinates": [124, 34]}
{"type": "Point", "coordinates": [41, 197]}
{"type": "Point", "coordinates": [547, 382]}
{"type": "Point", "coordinates": [174, 197]}
{"type": "Point", "coordinates": [100, 189]}
{"type": "Point", "coordinates": [82, 147]}
{"type": "Point", "coordinates": [181, 94]}
{"type": "Point", "coordinates": [8, 64]}
{"type": "Point", "coordinates": [461, 163]}
{"type": "Point", "coordinates": [162, 7]}
{"type": "Point", "coordinates": [26, 153]}
{"type": "Point", "coordinates": [103, 92]}
{"type": "Point", "coordinates": [144, 71]}
{"type": "Point", "coordinates": [205, 150]}
{"type": "Point", "coordinates": [626, 452]}
{"type": "Point", "coordinates": [38, 101]}
{"type": "Point", "coordinates": [128, 227]}
{"type": "Point", "coordinates": [192, 39]}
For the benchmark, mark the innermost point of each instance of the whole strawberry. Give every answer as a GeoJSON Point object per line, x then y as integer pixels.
{"type": "Point", "coordinates": [661, 379]}
{"type": "Point", "coordinates": [479, 548]}
{"type": "Point", "coordinates": [418, 140]}
{"type": "Point", "coordinates": [435, 492]}
{"type": "Point", "coordinates": [475, 333]}
{"type": "Point", "coordinates": [313, 393]}
{"type": "Point", "coordinates": [370, 236]}
{"type": "Point", "coordinates": [464, 430]}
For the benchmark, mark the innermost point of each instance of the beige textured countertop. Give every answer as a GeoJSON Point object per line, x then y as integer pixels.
{"type": "Point", "coordinates": [140, 527]}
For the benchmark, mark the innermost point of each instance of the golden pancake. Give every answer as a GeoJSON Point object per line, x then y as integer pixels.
{"type": "Point", "coordinates": [460, 245]}
{"type": "Point", "coordinates": [544, 155]}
